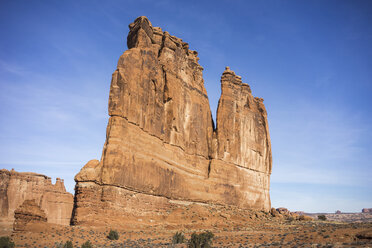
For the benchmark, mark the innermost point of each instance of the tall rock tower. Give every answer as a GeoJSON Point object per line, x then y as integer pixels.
{"type": "Point", "coordinates": [161, 146]}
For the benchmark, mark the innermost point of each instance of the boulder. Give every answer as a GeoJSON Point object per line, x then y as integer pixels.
{"type": "Point", "coordinates": [283, 211]}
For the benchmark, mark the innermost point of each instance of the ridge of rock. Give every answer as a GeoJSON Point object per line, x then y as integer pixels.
{"type": "Point", "coordinates": [161, 145]}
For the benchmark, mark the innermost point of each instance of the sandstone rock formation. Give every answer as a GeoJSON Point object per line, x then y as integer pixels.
{"type": "Point", "coordinates": [17, 187]}
{"type": "Point", "coordinates": [283, 211]}
{"type": "Point", "coordinates": [28, 212]}
{"type": "Point", "coordinates": [162, 148]}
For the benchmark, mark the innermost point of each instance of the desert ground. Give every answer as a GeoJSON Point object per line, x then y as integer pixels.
{"type": "Point", "coordinates": [259, 229]}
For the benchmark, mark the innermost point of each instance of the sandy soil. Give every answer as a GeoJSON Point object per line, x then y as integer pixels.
{"type": "Point", "coordinates": [256, 233]}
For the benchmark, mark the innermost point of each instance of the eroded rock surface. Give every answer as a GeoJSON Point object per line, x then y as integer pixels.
{"type": "Point", "coordinates": [17, 187]}
{"type": "Point", "coordinates": [28, 212]}
{"type": "Point", "coordinates": [161, 145]}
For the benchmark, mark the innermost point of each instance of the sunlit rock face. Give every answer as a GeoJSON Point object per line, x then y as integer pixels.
{"type": "Point", "coordinates": [161, 144]}
{"type": "Point", "coordinates": [18, 187]}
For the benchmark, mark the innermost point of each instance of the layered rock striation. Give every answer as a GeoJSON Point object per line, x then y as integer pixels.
{"type": "Point", "coordinates": [161, 144]}
{"type": "Point", "coordinates": [28, 212]}
{"type": "Point", "coordinates": [19, 187]}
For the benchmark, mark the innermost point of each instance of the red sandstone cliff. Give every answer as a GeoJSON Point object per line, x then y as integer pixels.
{"type": "Point", "coordinates": [161, 146]}
{"type": "Point", "coordinates": [17, 187]}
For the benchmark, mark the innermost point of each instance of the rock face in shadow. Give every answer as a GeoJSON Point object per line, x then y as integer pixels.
{"type": "Point", "coordinates": [161, 144]}
{"type": "Point", "coordinates": [17, 187]}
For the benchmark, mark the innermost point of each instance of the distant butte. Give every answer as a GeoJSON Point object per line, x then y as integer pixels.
{"type": "Point", "coordinates": [162, 149]}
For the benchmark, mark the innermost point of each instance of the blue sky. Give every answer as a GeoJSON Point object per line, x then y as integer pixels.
{"type": "Point", "coordinates": [310, 60]}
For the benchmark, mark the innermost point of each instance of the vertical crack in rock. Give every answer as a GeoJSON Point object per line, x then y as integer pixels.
{"type": "Point", "coordinates": [209, 168]}
{"type": "Point", "coordinates": [161, 141]}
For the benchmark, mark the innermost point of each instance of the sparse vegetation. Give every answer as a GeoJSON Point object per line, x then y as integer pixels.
{"type": "Point", "coordinates": [113, 235]}
{"type": "Point", "coordinates": [5, 242]}
{"type": "Point", "coordinates": [68, 244]}
{"type": "Point", "coordinates": [290, 218]}
{"type": "Point", "coordinates": [178, 238]}
{"type": "Point", "coordinates": [87, 244]}
{"type": "Point", "coordinates": [322, 217]}
{"type": "Point", "coordinates": [202, 240]}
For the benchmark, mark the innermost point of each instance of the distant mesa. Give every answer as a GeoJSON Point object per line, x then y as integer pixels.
{"type": "Point", "coordinates": [338, 212]}
{"type": "Point", "coordinates": [162, 147]}
{"type": "Point", "coordinates": [26, 191]}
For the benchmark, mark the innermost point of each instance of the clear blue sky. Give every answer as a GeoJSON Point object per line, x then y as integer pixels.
{"type": "Point", "coordinates": [310, 60]}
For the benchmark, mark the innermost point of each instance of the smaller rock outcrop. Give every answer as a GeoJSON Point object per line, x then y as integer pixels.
{"type": "Point", "coordinates": [28, 212]}
{"type": "Point", "coordinates": [284, 213]}
{"type": "Point", "coordinates": [17, 187]}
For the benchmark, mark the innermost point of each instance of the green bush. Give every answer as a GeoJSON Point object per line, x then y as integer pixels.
{"type": "Point", "coordinates": [113, 235]}
{"type": "Point", "coordinates": [178, 238]}
{"type": "Point", "coordinates": [87, 245]}
{"type": "Point", "coordinates": [202, 240]}
{"type": "Point", "coordinates": [68, 244]}
{"type": "Point", "coordinates": [5, 242]}
{"type": "Point", "coordinates": [322, 217]}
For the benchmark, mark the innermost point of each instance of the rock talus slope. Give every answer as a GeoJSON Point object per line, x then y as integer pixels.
{"type": "Point", "coordinates": [161, 145]}
{"type": "Point", "coordinates": [17, 187]}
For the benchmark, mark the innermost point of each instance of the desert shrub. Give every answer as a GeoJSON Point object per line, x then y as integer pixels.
{"type": "Point", "coordinates": [304, 218]}
{"type": "Point", "coordinates": [58, 245]}
{"type": "Point", "coordinates": [113, 235]}
{"type": "Point", "coordinates": [290, 218]}
{"type": "Point", "coordinates": [202, 240]}
{"type": "Point", "coordinates": [87, 244]}
{"type": "Point", "coordinates": [178, 238]}
{"type": "Point", "coordinates": [5, 242]}
{"type": "Point", "coordinates": [322, 217]}
{"type": "Point", "coordinates": [68, 244]}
